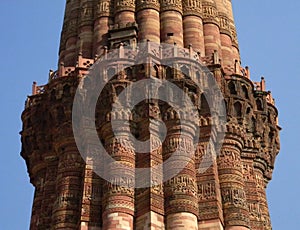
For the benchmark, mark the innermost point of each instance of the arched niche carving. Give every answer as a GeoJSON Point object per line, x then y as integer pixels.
{"type": "Point", "coordinates": [184, 70]}
{"type": "Point", "coordinates": [237, 109]}
{"type": "Point", "coordinates": [169, 72]}
{"type": "Point", "coordinates": [259, 104]}
{"type": "Point", "coordinates": [204, 107]}
{"type": "Point", "coordinates": [232, 88]}
{"type": "Point", "coordinates": [245, 93]}
{"type": "Point", "coordinates": [156, 71]}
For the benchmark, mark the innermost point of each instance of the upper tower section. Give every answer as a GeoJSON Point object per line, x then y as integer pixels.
{"type": "Point", "coordinates": [90, 26]}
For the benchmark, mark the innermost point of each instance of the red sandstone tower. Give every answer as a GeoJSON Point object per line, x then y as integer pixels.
{"type": "Point", "coordinates": [229, 195]}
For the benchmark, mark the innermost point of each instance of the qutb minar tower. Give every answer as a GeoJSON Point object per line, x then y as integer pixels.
{"type": "Point", "coordinates": [219, 172]}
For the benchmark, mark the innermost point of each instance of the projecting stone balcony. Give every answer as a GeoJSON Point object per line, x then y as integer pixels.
{"type": "Point", "coordinates": [156, 52]}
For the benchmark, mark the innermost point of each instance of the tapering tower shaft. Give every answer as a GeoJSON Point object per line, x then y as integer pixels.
{"type": "Point", "coordinates": [206, 25]}
{"type": "Point", "coordinates": [228, 195]}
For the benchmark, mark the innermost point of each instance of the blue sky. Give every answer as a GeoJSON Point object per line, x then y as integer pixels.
{"type": "Point", "coordinates": [269, 37]}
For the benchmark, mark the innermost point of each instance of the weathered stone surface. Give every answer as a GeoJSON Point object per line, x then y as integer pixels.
{"type": "Point", "coordinates": [229, 195]}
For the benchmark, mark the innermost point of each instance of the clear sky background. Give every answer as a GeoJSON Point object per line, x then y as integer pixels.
{"type": "Point", "coordinates": [269, 37]}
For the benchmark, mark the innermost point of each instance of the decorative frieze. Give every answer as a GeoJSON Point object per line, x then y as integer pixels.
{"type": "Point", "coordinates": [104, 8]}
{"type": "Point", "coordinates": [147, 4]}
{"type": "Point", "coordinates": [192, 7]}
{"type": "Point", "coordinates": [206, 191]}
{"type": "Point", "coordinates": [172, 5]}
{"type": "Point", "coordinates": [224, 24]}
{"type": "Point", "coordinates": [183, 185]}
{"type": "Point", "coordinates": [210, 13]}
{"type": "Point", "coordinates": [234, 196]}
{"type": "Point", "coordinates": [124, 5]}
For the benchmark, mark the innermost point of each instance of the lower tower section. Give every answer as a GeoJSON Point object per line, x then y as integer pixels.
{"type": "Point", "coordinates": [205, 189]}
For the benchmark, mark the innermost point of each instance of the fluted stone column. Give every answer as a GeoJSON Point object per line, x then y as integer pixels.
{"type": "Point", "coordinates": [66, 211]}
{"type": "Point", "coordinates": [124, 11]}
{"type": "Point", "coordinates": [250, 172]}
{"type": "Point", "coordinates": [103, 19]}
{"type": "Point", "coordinates": [147, 17]}
{"type": "Point", "coordinates": [37, 200]}
{"type": "Point", "coordinates": [91, 211]}
{"type": "Point", "coordinates": [259, 168]}
{"type": "Point", "coordinates": [49, 187]}
{"type": "Point", "coordinates": [42, 178]}
{"type": "Point", "coordinates": [253, 196]}
{"type": "Point", "coordinates": [171, 27]}
{"type": "Point", "coordinates": [209, 193]}
{"type": "Point", "coordinates": [236, 215]}
{"type": "Point", "coordinates": [85, 32]}
{"type": "Point", "coordinates": [211, 28]}
{"type": "Point", "coordinates": [193, 25]}
{"type": "Point", "coordinates": [118, 196]}
{"type": "Point", "coordinates": [181, 204]}
{"type": "Point", "coordinates": [225, 36]}
{"type": "Point", "coordinates": [69, 36]}
{"type": "Point", "coordinates": [235, 45]}
{"type": "Point", "coordinates": [149, 199]}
